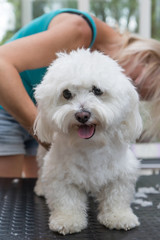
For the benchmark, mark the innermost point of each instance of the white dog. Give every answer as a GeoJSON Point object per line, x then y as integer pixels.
{"type": "Point", "coordinates": [89, 110]}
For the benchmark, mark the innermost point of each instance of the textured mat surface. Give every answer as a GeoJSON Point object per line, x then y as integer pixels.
{"type": "Point", "coordinates": [24, 216]}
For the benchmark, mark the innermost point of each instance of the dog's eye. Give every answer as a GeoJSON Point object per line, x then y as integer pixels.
{"type": "Point", "coordinates": [97, 91]}
{"type": "Point", "coordinates": [67, 94]}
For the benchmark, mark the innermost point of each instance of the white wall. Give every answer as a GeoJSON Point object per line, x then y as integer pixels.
{"type": "Point", "coordinates": [145, 18]}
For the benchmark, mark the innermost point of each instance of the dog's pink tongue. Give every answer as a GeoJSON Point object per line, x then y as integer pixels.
{"type": "Point", "coordinates": [86, 131]}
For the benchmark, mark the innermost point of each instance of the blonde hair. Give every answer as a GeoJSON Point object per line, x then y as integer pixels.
{"type": "Point", "coordinates": [146, 52]}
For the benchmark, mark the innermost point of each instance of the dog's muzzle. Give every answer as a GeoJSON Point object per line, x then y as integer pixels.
{"type": "Point", "coordinates": [85, 130]}
{"type": "Point", "coordinates": [83, 116]}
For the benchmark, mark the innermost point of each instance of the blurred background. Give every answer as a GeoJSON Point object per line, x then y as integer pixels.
{"type": "Point", "coordinates": [137, 16]}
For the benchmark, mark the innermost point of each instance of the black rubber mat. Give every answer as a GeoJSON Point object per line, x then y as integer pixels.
{"type": "Point", "coordinates": [24, 216]}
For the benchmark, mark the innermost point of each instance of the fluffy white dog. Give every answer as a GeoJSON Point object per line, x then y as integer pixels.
{"type": "Point", "coordinates": [89, 110]}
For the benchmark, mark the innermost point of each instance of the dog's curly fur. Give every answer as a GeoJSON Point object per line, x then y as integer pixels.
{"type": "Point", "coordinates": [89, 110]}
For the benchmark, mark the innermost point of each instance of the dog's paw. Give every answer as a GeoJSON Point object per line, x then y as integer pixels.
{"type": "Point", "coordinates": [38, 189]}
{"type": "Point", "coordinates": [67, 223]}
{"type": "Point", "coordinates": [119, 220]}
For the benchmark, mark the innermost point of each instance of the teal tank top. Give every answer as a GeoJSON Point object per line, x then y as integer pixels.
{"type": "Point", "coordinates": [33, 77]}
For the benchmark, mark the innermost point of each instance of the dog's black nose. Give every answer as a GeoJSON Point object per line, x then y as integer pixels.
{"type": "Point", "coordinates": [83, 116]}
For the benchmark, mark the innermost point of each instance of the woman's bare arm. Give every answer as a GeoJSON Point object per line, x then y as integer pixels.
{"type": "Point", "coordinates": [34, 52]}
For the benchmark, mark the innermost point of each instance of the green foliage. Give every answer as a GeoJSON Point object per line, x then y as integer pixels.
{"type": "Point", "coordinates": [155, 33]}
{"type": "Point", "coordinates": [116, 10]}
{"type": "Point", "coordinates": [39, 6]}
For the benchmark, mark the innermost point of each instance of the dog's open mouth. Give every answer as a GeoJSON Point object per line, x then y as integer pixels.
{"type": "Point", "coordinates": [86, 131]}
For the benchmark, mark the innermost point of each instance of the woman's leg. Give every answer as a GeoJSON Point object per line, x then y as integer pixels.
{"type": "Point", "coordinates": [11, 166]}
{"type": "Point", "coordinates": [30, 167]}
{"type": "Point", "coordinates": [11, 146]}
{"type": "Point", "coordinates": [15, 144]}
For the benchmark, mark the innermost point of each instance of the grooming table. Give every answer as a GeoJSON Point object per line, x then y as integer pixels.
{"type": "Point", "coordinates": [24, 216]}
{"type": "Point", "coordinates": [150, 163]}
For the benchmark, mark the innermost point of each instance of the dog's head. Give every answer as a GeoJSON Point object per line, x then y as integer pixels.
{"type": "Point", "coordinates": [86, 94]}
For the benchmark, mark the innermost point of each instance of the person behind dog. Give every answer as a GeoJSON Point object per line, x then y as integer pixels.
{"type": "Point", "coordinates": [25, 58]}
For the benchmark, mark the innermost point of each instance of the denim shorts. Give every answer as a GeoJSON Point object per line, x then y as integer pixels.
{"type": "Point", "coordinates": [14, 139]}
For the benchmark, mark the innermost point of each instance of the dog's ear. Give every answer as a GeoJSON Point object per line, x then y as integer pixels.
{"type": "Point", "coordinates": [131, 127]}
{"type": "Point", "coordinates": [44, 96]}
{"type": "Point", "coordinates": [133, 124]}
{"type": "Point", "coordinates": [42, 128]}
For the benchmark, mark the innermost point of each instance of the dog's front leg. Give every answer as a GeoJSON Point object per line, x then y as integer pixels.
{"type": "Point", "coordinates": [38, 189]}
{"type": "Point", "coordinates": [68, 207]}
{"type": "Point", "coordinates": [114, 205]}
